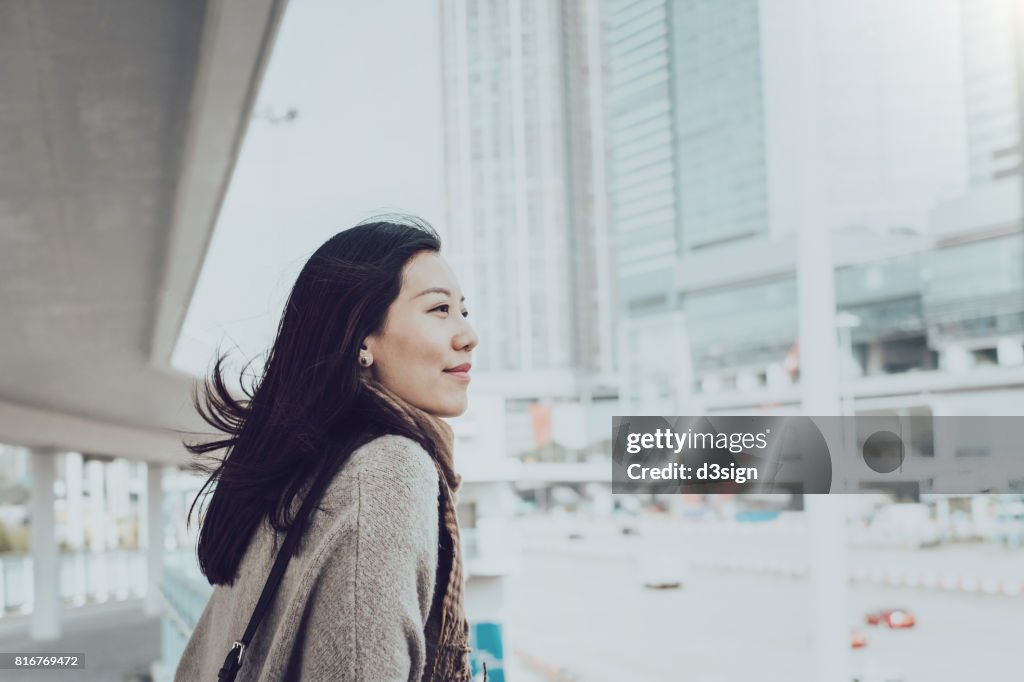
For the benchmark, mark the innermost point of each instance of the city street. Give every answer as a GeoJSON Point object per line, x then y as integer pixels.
{"type": "Point", "coordinates": [583, 607]}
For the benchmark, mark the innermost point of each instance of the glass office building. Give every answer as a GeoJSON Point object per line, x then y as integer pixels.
{"type": "Point", "coordinates": [921, 199]}
{"type": "Point", "coordinates": [522, 103]}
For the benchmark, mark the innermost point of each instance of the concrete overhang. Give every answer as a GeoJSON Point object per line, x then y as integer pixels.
{"type": "Point", "coordinates": [120, 124]}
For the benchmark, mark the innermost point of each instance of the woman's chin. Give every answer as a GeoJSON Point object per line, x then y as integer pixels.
{"type": "Point", "coordinates": [454, 408]}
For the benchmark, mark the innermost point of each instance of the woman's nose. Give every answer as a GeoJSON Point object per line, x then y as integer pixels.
{"type": "Point", "coordinates": [467, 338]}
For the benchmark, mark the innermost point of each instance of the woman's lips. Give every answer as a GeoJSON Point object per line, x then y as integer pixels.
{"type": "Point", "coordinates": [461, 376]}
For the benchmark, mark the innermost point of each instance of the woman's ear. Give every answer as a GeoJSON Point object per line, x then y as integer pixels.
{"type": "Point", "coordinates": [371, 341]}
{"type": "Point", "coordinates": [365, 356]}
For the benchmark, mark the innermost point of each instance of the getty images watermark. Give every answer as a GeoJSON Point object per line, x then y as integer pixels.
{"type": "Point", "coordinates": [909, 454]}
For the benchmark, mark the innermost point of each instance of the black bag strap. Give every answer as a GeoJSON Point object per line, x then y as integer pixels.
{"type": "Point", "coordinates": [233, 661]}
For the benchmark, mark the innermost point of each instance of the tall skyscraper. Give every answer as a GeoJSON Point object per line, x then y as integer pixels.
{"type": "Point", "coordinates": [712, 164]}
{"type": "Point", "coordinates": [642, 177]}
{"type": "Point", "coordinates": [687, 172]}
{"type": "Point", "coordinates": [524, 220]}
{"type": "Point", "coordinates": [686, 135]}
{"type": "Point", "coordinates": [588, 204]}
{"type": "Point", "coordinates": [643, 198]}
{"type": "Point", "coordinates": [719, 118]}
{"type": "Point", "coordinates": [991, 88]}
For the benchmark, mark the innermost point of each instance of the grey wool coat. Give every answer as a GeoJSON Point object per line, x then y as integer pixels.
{"type": "Point", "coordinates": [358, 601]}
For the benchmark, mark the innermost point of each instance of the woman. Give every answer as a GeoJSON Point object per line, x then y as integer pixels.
{"type": "Point", "coordinates": [373, 348]}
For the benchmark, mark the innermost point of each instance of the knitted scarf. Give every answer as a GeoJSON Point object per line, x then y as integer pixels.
{"type": "Point", "coordinates": [451, 659]}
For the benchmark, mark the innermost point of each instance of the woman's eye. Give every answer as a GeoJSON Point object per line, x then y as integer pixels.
{"type": "Point", "coordinates": [445, 308]}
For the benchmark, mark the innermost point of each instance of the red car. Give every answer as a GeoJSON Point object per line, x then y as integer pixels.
{"type": "Point", "coordinates": [894, 618]}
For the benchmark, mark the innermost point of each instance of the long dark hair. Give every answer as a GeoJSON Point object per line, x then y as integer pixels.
{"type": "Point", "coordinates": [309, 410]}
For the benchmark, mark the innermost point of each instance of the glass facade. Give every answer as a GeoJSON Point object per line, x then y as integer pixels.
{"type": "Point", "coordinates": [754, 324]}
{"type": "Point", "coordinates": [643, 206]}
{"type": "Point", "coordinates": [719, 118]}
{"type": "Point", "coordinates": [976, 289]}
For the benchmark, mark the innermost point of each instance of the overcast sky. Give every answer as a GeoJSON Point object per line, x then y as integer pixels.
{"type": "Point", "coordinates": [365, 79]}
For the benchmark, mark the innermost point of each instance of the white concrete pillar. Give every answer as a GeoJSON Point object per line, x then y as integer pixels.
{"type": "Point", "coordinates": [45, 624]}
{"type": "Point", "coordinates": [112, 482]}
{"type": "Point", "coordinates": [120, 491]}
{"type": "Point", "coordinates": [154, 542]}
{"type": "Point", "coordinates": [97, 506]}
{"type": "Point", "coordinates": [956, 359]}
{"type": "Point", "coordinates": [819, 357]}
{"type": "Point", "coordinates": [74, 477]}
{"type": "Point", "coordinates": [979, 510]}
{"type": "Point", "coordinates": [97, 569]}
{"type": "Point", "coordinates": [1010, 352]}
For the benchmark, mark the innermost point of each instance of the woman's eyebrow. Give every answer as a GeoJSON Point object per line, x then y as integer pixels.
{"type": "Point", "coordinates": [438, 290]}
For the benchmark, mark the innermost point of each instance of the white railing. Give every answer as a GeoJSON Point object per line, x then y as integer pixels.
{"type": "Point", "coordinates": [84, 578]}
{"type": "Point", "coordinates": [185, 590]}
{"type": "Point", "coordinates": [184, 593]}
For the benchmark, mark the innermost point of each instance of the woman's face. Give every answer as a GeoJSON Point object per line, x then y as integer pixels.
{"type": "Point", "coordinates": [425, 335]}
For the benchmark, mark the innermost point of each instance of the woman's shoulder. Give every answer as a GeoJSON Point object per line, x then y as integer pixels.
{"type": "Point", "coordinates": [394, 462]}
{"type": "Point", "coordinates": [387, 491]}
